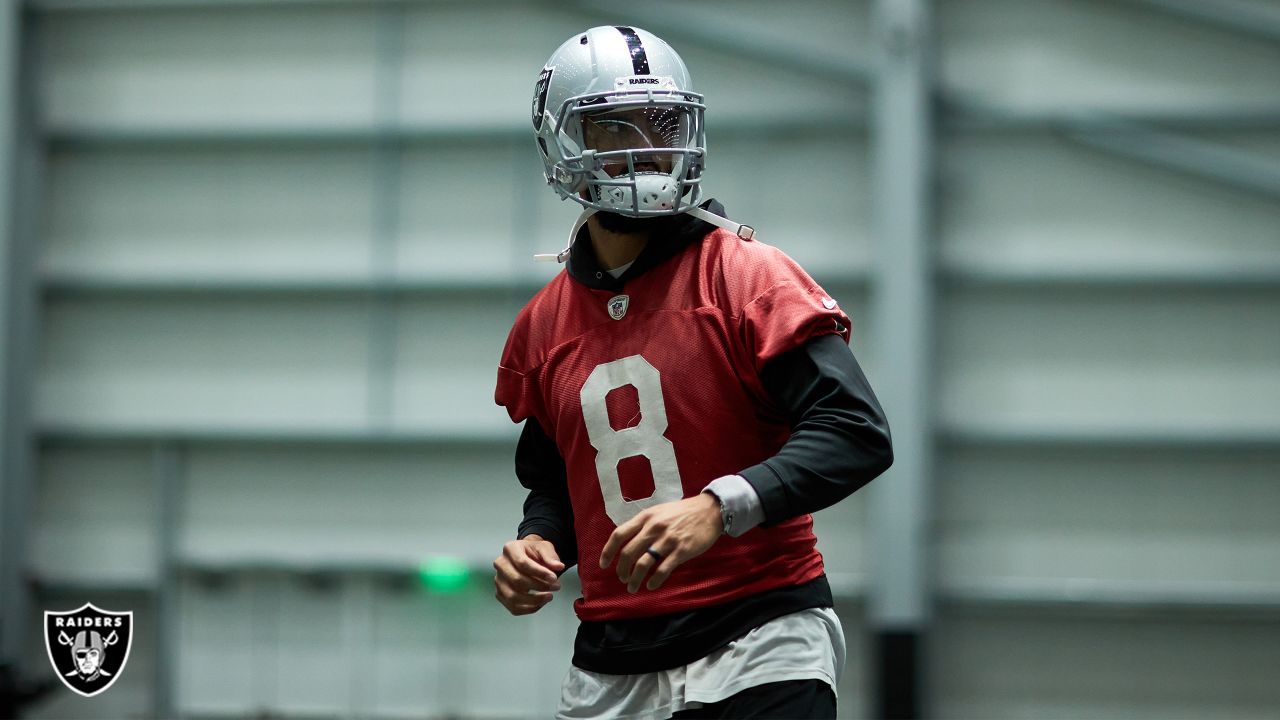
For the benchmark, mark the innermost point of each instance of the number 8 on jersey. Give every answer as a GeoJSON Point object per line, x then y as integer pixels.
{"type": "Point", "coordinates": [644, 439]}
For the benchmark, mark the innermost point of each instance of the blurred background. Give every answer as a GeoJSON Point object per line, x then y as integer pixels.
{"type": "Point", "coordinates": [259, 260]}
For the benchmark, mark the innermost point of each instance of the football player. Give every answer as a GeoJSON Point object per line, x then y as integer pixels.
{"type": "Point", "coordinates": [688, 399]}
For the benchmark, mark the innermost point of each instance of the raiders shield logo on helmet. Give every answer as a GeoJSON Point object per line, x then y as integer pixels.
{"type": "Point", "coordinates": [540, 96]}
{"type": "Point", "coordinates": [88, 646]}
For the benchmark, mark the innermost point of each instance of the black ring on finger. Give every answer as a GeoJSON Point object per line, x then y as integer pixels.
{"type": "Point", "coordinates": [654, 554]}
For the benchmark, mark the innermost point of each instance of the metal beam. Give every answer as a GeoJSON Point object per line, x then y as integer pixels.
{"type": "Point", "coordinates": [1189, 155]}
{"type": "Point", "coordinates": [20, 161]}
{"type": "Point", "coordinates": [11, 504]}
{"type": "Point", "coordinates": [685, 23]}
{"type": "Point", "coordinates": [168, 484]}
{"type": "Point", "coordinates": [958, 112]}
{"type": "Point", "coordinates": [127, 5]}
{"type": "Point", "coordinates": [1146, 596]}
{"type": "Point", "coordinates": [1139, 141]}
{"type": "Point", "coordinates": [1238, 16]}
{"type": "Point", "coordinates": [388, 174]}
{"type": "Point", "coordinates": [902, 313]}
{"type": "Point", "coordinates": [496, 433]}
{"type": "Point", "coordinates": [901, 297]}
{"type": "Point", "coordinates": [984, 273]}
{"type": "Point", "coordinates": [1097, 437]}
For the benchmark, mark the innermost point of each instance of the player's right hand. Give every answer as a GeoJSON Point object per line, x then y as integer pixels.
{"type": "Point", "coordinates": [526, 574]}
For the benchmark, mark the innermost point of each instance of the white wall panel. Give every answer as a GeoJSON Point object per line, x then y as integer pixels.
{"type": "Point", "coordinates": [1113, 667]}
{"type": "Point", "coordinates": [245, 67]}
{"type": "Point", "coordinates": [742, 90]}
{"type": "Point", "coordinates": [806, 194]}
{"type": "Point", "coordinates": [245, 212]}
{"type": "Point", "coordinates": [267, 643]}
{"type": "Point", "coordinates": [1141, 361]}
{"type": "Point", "coordinates": [347, 504]}
{"type": "Point", "coordinates": [446, 50]}
{"type": "Point", "coordinates": [317, 66]}
{"type": "Point", "coordinates": [311, 678]}
{"type": "Point", "coordinates": [182, 362]}
{"type": "Point", "coordinates": [446, 365]}
{"type": "Point", "coordinates": [222, 647]}
{"type": "Point", "coordinates": [841, 530]}
{"type": "Point", "coordinates": [486, 653]}
{"type": "Point", "coordinates": [853, 693]}
{"type": "Point", "coordinates": [464, 211]}
{"type": "Point", "coordinates": [838, 30]}
{"type": "Point", "coordinates": [1177, 519]}
{"type": "Point", "coordinates": [1073, 54]}
{"type": "Point", "coordinates": [94, 516]}
{"type": "Point", "coordinates": [410, 672]}
{"type": "Point", "coordinates": [463, 70]}
{"type": "Point", "coordinates": [1035, 201]}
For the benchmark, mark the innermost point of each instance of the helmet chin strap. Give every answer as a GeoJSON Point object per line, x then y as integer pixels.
{"type": "Point", "coordinates": [746, 232]}
{"type": "Point", "coordinates": [573, 234]}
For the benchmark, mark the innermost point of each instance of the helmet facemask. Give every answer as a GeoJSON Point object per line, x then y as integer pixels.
{"type": "Point", "coordinates": [637, 153]}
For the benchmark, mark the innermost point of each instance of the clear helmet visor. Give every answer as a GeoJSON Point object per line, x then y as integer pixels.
{"type": "Point", "coordinates": [640, 157]}
{"type": "Point", "coordinates": [637, 135]}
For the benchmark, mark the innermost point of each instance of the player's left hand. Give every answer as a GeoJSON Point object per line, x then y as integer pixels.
{"type": "Point", "coordinates": [679, 531]}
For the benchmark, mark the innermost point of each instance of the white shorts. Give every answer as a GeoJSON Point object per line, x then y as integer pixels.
{"type": "Point", "coordinates": [807, 645]}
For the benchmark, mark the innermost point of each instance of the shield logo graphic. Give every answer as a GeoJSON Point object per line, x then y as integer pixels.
{"type": "Point", "coordinates": [88, 647]}
{"type": "Point", "coordinates": [540, 96]}
{"type": "Point", "coordinates": [618, 306]}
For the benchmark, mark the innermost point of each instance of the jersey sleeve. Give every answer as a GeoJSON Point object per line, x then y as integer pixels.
{"type": "Point", "coordinates": [513, 393]}
{"type": "Point", "coordinates": [789, 311]}
{"type": "Point", "coordinates": [517, 388]}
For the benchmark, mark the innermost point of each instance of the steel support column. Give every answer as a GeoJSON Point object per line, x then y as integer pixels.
{"type": "Point", "coordinates": [902, 309]}
{"type": "Point", "coordinates": [169, 484]}
{"type": "Point", "coordinates": [388, 178]}
{"type": "Point", "coordinates": [22, 162]}
{"type": "Point", "coordinates": [14, 484]}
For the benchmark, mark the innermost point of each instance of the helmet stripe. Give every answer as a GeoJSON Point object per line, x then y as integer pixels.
{"type": "Point", "coordinates": [639, 59]}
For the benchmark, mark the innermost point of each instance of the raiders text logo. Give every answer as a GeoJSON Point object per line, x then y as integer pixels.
{"type": "Point", "coordinates": [88, 647]}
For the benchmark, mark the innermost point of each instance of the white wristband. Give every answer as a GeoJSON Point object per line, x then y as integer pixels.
{"type": "Point", "coordinates": [740, 506]}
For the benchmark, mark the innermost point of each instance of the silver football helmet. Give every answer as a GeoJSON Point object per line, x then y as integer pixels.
{"type": "Point", "coordinates": [618, 125]}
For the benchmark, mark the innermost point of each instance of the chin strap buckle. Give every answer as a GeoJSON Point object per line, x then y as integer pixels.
{"type": "Point", "coordinates": [746, 232]}
{"type": "Point", "coordinates": [552, 257]}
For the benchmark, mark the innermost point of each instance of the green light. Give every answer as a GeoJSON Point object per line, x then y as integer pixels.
{"type": "Point", "coordinates": [444, 574]}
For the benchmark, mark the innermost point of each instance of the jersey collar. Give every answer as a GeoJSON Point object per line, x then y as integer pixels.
{"type": "Point", "coordinates": [671, 236]}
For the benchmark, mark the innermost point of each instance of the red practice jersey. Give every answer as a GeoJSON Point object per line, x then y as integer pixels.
{"type": "Point", "coordinates": [654, 392]}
